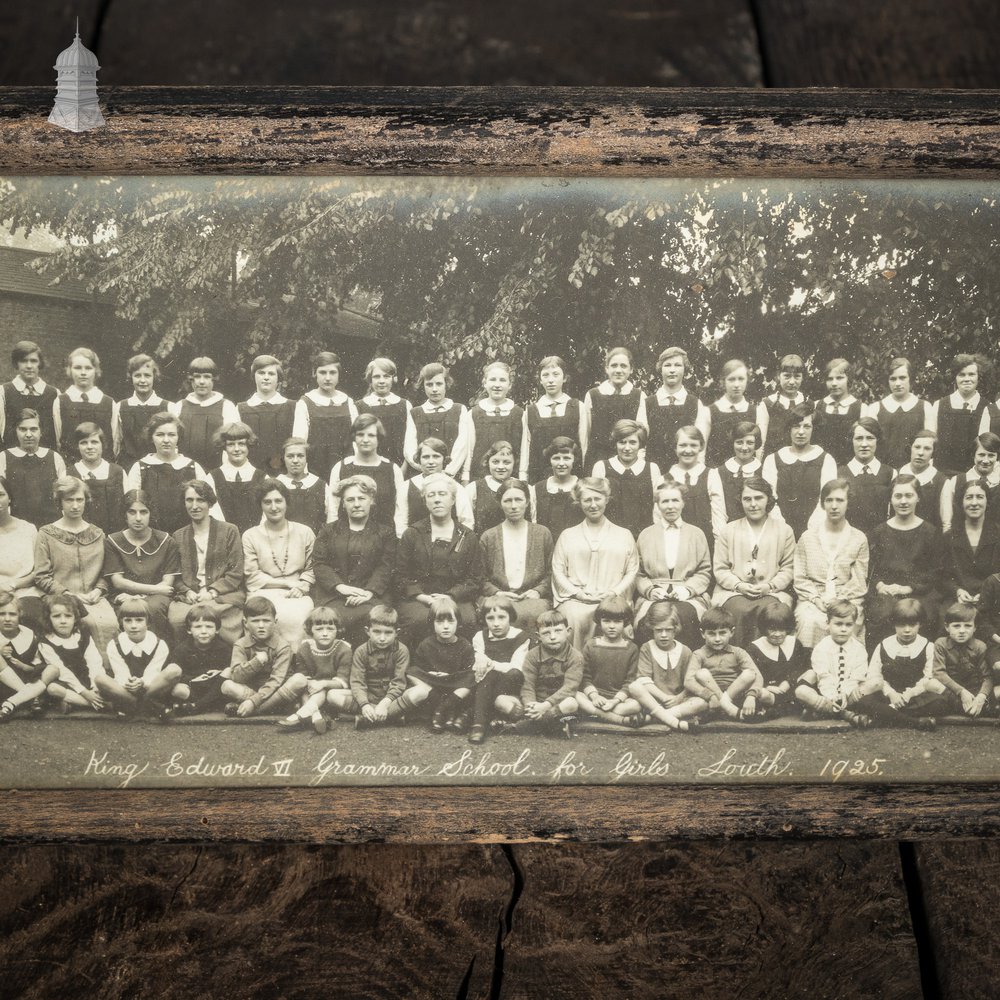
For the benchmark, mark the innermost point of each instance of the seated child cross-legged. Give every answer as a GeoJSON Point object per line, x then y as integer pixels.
{"type": "Point", "coordinates": [202, 656]}
{"type": "Point", "coordinates": [961, 666]}
{"type": "Point", "coordinates": [259, 666]}
{"type": "Point", "coordinates": [378, 674]}
{"type": "Point", "coordinates": [552, 671]}
{"type": "Point", "coordinates": [610, 665]}
{"type": "Point", "coordinates": [500, 650]}
{"type": "Point", "coordinates": [141, 677]}
{"type": "Point", "coordinates": [662, 670]}
{"type": "Point", "coordinates": [322, 667]}
{"type": "Point", "coordinates": [838, 676]}
{"type": "Point", "coordinates": [26, 668]}
{"type": "Point", "coordinates": [76, 654]}
{"type": "Point", "coordinates": [780, 658]}
{"type": "Point", "coordinates": [442, 665]}
{"type": "Point", "coordinates": [902, 666]}
{"type": "Point", "coordinates": [723, 674]}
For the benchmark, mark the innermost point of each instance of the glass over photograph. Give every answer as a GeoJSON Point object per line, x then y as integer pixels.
{"type": "Point", "coordinates": [406, 481]}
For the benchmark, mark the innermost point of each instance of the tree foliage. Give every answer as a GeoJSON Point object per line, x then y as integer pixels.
{"type": "Point", "coordinates": [468, 270]}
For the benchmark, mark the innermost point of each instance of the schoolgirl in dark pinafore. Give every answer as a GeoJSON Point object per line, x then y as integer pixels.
{"type": "Point", "coordinates": [29, 483]}
{"type": "Point", "coordinates": [444, 425]}
{"type": "Point", "coordinates": [664, 421]}
{"type": "Point", "coordinates": [132, 422]}
{"type": "Point", "coordinates": [14, 402]}
{"type": "Point", "coordinates": [957, 430]}
{"type": "Point", "coordinates": [898, 431]}
{"type": "Point", "coordinates": [166, 497]}
{"type": "Point", "coordinates": [719, 446]}
{"type": "Point", "coordinates": [779, 422]}
{"type": "Point", "coordinates": [72, 413]}
{"type": "Point", "coordinates": [306, 504]}
{"type": "Point", "coordinates": [833, 431]}
{"type": "Point", "coordinates": [606, 409]}
{"type": "Point", "coordinates": [104, 508]}
{"type": "Point", "coordinates": [272, 423]}
{"type": "Point", "coordinates": [201, 423]}
{"type": "Point", "coordinates": [392, 416]}
{"type": "Point", "coordinates": [487, 512]}
{"type": "Point", "coordinates": [489, 427]}
{"type": "Point", "coordinates": [632, 499]}
{"type": "Point", "coordinates": [868, 504]}
{"type": "Point", "coordinates": [238, 500]}
{"type": "Point", "coordinates": [329, 434]}
{"type": "Point", "coordinates": [543, 430]}
{"type": "Point", "coordinates": [900, 673]}
{"type": "Point", "coordinates": [797, 489]}
{"type": "Point", "coordinates": [732, 487]}
{"type": "Point", "coordinates": [557, 510]}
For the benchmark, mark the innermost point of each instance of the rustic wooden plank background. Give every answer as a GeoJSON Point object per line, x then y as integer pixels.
{"type": "Point", "coordinates": [725, 918]}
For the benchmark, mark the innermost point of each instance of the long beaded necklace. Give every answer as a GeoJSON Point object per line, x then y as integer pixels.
{"type": "Point", "coordinates": [282, 563]}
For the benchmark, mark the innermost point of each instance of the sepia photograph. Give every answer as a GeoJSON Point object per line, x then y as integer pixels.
{"type": "Point", "coordinates": [366, 481]}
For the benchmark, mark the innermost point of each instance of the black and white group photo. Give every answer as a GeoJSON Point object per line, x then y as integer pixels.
{"type": "Point", "coordinates": [319, 481]}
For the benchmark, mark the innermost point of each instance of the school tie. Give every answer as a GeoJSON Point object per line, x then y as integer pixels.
{"type": "Point", "coordinates": [497, 412]}
{"type": "Point", "coordinates": [866, 470]}
{"type": "Point", "coordinates": [297, 484]}
{"type": "Point", "coordinates": [671, 400]}
{"type": "Point", "coordinates": [382, 401]}
{"type": "Point", "coordinates": [90, 475]}
{"type": "Point", "coordinates": [687, 478]}
{"type": "Point", "coordinates": [554, 407]}
{"type": "Point", "coordinates": [739, 474]}
{"type": "Point", "coordinates": [966, 407]}
{"type": "Point", "coordinates": [616, 390]}
{"type": "Point", "coordinates": [237, 478]}
{"type": "Point", "coordinates": [438, 409]}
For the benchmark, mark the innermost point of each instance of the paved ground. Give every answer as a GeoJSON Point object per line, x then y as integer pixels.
{"type": "Point", "coordinates": [101, 752]}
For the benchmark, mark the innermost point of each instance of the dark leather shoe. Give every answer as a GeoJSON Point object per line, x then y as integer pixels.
{"type": "Point", "coordinates": [477, 734]}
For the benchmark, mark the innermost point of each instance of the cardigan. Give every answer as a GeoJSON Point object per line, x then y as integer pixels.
{"type": "Point", "coordinates": [537, 564]}
{"type": "Point", "coordinates": [775, 559]}
{"type": "Point", "coordinates": [260, 561]}
{"type": "Point", "coordinates": [964, 568]}
{"type": "Point", "coordinates": [223, 558]}
{"type": "Point", "coordinates": [850, 569]}
{"type": "Point", "coordinates": [69, 561]}
{"type": "Point", "coordinates": [611, 567]}
{"type": "Point", "coordinates": [692, 570]}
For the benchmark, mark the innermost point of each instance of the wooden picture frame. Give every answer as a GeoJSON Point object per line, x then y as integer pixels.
{"type": "Point", "coordinates": [535, 133]}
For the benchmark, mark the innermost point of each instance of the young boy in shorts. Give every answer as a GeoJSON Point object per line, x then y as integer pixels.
{"type": "Point", "coordinates": [259, 666]}
{"type": "Point", "coordinates": [723, 674]}
{"type": "Point", "coordinates": [838, 677]}
{"type": "Point", "coordinates": [552, 672]}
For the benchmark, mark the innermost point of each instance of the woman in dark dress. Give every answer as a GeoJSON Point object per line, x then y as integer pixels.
{"type": "Point", "coordinates": [353, 557]}
{"type": "Point", "coordinates": [907, 560]}
{"type": "Point", "coordinates": [437, 556]}
{"type": "Point", "coordinates": [142, 561]}
{"type": "Point", "coordinates": [973, 546]}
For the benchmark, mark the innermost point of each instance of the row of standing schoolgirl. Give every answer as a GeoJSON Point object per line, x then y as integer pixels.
{"type": "Point", "coordinates": [323, 416]}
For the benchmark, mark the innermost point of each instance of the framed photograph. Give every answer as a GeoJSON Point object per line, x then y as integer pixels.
{"type": "Point", "coordinates": [475, 465]}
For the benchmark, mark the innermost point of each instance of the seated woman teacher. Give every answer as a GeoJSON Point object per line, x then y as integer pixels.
{"type": "Point", "coordinates": [353, 557]}
{"type": "Point", "coordinates": [211, 553]}
{"type": "Point", "coordinates": [831, 564]}
{"type": "Point", "coordinates": [592, 560]}
{"type": "Point", "coordinates": [753, 561]}
{"type": "Point", "coordinates": [17, 559]}
{"type": "Point", "coordinates": [277, 556]}
{"type": "Point", "coordinates": [142, 561]}
{"type": "Point", "coordinates": [907, 560]}
{"type": "Point", "coordinates": [674, 566]}
{"type": "Point", "coordinates": [69, 558]}
{"type": "Point", "coordinates": [972, 545]}
{"type": "Point", "coordinates": [517, 557]}
{"type": "Point", "coordinates": [437, 556]}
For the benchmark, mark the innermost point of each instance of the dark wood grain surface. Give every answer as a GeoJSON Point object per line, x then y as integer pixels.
{"type": "Point", "coordinates": [712, 920]}
{"type": "Point", "coordinates": [893, 43]}
{"type": "Point", "coordinates": [250, 922]}
{"type": "Point", "coordinates": [433, 42]}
